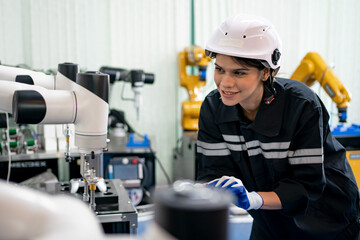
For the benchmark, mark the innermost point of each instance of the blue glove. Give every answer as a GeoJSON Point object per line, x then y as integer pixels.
{"type": "Point", "coordinates": [244, 199]}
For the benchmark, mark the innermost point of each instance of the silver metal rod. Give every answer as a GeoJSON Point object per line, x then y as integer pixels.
{"type": "Point", "coordinates": [86, 192]}
{"type": "Point", "coordinates": [92, 203]}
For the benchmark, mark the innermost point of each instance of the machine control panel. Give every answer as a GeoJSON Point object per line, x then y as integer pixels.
{"type": "Point", "coordinates": [130, 169]}
{"type": "Point", "coordinates": [126, 168]}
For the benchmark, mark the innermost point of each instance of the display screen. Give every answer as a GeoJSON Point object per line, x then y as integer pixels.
{"type": "Point", "coordinates": [126, 172]}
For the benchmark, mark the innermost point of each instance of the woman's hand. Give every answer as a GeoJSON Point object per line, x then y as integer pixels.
{"type": "Point", "coordinates": [244, 199]}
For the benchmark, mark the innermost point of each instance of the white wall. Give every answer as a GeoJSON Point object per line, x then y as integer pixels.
{"type": "Point", "coordinates": [148, 34]}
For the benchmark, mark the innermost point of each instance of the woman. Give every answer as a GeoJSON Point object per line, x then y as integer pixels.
{"type": "Point", "coordinates": [268, 141]}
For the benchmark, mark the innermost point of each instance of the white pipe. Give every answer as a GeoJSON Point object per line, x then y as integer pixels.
{"type": "Point", "coordinates": [60, 104]}
{"type": "Point", "coordinates": [39, 78]}
{"type": "Point", "coordinates": [92, 112]}
{"type": "Point", "coordinates": [7, 90]}
{"type": "Point", "coordinates": [91, 121]}
{"type": "Point", "coordinates": [78, 105]}
{"type": "Point", "coordinates": [60, 107]}
{"type": "Point", "coordinates": [63, 83]}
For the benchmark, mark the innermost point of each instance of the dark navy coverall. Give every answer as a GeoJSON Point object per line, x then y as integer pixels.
{"type": "Point", "coordinates": [288, 149]}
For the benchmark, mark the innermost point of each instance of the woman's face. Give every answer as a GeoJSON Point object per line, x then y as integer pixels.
{"type": "Point", "coordinates": [238, 83]}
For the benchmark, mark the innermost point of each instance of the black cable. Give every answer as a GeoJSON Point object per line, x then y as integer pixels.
{"type": "Point", "coordinates": [163, 169]}
{"type": "Point", "coordinates": [121, 118]}
{"type": "Point", "coordinates": [156, 158]}
{"type": "Point", "coordinates": [161, 166]}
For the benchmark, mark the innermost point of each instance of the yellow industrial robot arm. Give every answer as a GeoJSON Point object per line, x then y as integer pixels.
{"type": "Point", "coordinates": [193, 56]}
{"type": "Point", "coordinates": [313, 68]}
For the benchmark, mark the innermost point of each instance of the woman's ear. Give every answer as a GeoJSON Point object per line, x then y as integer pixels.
{"type": "Point", "coordinates": [266, 74]}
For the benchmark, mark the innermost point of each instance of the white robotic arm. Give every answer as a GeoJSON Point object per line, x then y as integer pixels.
{"type": "Point", "coordinates": [16, 74]}
{"type": "Point", "coordinates": [63, 80]}
{"type": "Point", "coordinates": [36, 104]}
{"type": "Point", "coordinates": [84, 103]}
{"type": "Point", "coordinates": [89, 102]}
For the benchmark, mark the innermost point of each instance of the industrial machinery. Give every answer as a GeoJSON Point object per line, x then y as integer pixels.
{"type": "Point", "coordinates": [132, 161]}
{"type": "Point", "coordinates": [23, 138]}
{"type": "Point", "coordinates": [137, 78]}
{"type": "Point", "coordinates": [70, 97]}
{"type": "Point", "coordinates": [134, 166]}
{"type": "Point", "coordinates": [313, 68]}
{"type": "Point", "coordinates": [203, 213]}
{"type": "Point", "coordinates": [78, 98]}
{"type": "Point", "coordinates": [192, 63]}
{"type": "Point", "coordinates": [192, 56]}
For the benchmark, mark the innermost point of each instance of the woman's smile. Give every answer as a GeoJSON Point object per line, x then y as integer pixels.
{"type": "Point", "coordinates": [229, 93]}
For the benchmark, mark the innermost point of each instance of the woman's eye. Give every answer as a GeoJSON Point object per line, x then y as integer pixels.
{"type": "Point", "coordinates": [238, 73]}
{"type": "Point", "coordinates": [218, 69]}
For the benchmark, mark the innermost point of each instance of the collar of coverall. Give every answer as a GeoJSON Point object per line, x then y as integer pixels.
{"type": "Point", "coordinates": [268, 120]}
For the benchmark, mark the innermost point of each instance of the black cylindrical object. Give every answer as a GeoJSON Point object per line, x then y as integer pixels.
{"type": "Point", "coordinates": [69, 70]}
{"type": "Point", "coordinates": [24, 79]}
{"type": "Point", "coordinates": [149, 78]}
{"type": "Point", "coordinates": [28, 107]}
{"type": "Point", "coordinates": [116, 74]}
{"type": "Point", "coordinates": [3, 122]}
{"type": "Point", "coordinates": [139, 77]}
{"type": "Point", "coordinates": [193, 213]}
{"type": "Point", "coordinates": [96, 82]}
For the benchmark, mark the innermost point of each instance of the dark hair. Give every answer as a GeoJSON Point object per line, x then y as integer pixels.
{"type": "Point", "coordinates": [250, 62]}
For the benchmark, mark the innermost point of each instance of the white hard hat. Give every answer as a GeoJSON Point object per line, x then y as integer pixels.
{"type": "Point", "coordinates": [247, 36]}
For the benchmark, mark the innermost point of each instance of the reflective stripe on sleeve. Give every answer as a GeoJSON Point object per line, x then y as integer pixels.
{"type": "Point", "coordinates": [218, 152]}
{"type": "Point", "coordinates": [301, 156]}
{"type": "Point", "coordinates": [268, 155]}
{"type": "Point", "coordinates": [268, 146]}
{"type": "Point", "coordinates": [211, 145]}
{"type": "Point", "coordinates": [233, 138]}
{"type": "Point", "coordinates": [306, 160]}
{"type": "Point", "coordinates": [306, 156]}
{"type": "Point", "coordinates": [237, 147]}
{"type": "Point", "coordinates": [306, 152]}
{"type": "Point", "coordinates": [216, 146]}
